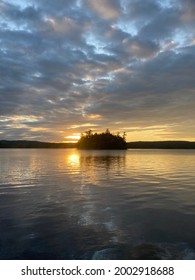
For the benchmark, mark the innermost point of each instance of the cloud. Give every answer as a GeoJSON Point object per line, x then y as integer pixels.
{"type": "Point", "coordinates": [188, 11]}
{"type": "Point", "coordinates": [106, 9]}
{"type": "Point", "coordinates": [96, 63]}
{"type": "Point", "coordinates": [142, 11]}
{"type": "Point", "coordinates": [140, 48]}
{"type": "Point", "coordinates": [162, 25]}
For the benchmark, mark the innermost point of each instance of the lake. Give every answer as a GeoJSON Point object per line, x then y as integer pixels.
{"type": "Point", "coordinates": [70, 204]}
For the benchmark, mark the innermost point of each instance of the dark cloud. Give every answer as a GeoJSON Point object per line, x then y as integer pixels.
{"type": "Point", "coordinates": [188, 10]}
{"type": "Point", "coordinates": [106, 9]}
{"type": "Point", "coordinates": [65, 65]}
{"type": "Point", "coordinates": [136, 47]}
{"type": "Point", "coordinates": [162, 25]}
{"type": "Point", "coordinates": [142, 11]}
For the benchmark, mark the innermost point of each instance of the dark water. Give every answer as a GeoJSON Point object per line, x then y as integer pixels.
{"type": "Point", "coordinates": [69, 204]}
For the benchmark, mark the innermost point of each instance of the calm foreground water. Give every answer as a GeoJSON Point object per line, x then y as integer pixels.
{"type": "Point", "coordinates": [69, 204]}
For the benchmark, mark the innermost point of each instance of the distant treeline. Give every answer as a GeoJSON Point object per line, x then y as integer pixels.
{"type": "Point", "coordinates": [161, 145]}
{"type": "Point", "coordinates": [21, 144]}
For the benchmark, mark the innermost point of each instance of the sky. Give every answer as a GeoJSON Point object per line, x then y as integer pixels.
{"type": "Point", "coordinates": [67, 66]}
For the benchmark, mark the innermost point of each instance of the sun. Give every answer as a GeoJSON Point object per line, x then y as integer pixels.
{"type": "Point", "coordinates": [73, 138]}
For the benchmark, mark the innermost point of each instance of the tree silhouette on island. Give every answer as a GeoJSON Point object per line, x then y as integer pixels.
{"type": "Point", "coordinates": [102, 141]}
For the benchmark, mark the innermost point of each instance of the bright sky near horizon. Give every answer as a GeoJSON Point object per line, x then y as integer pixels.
{"type": "Point", "coordinates": [72, 65]}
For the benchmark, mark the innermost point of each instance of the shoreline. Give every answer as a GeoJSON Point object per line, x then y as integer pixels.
{"type": "Point", "coordinates": [25, 144]}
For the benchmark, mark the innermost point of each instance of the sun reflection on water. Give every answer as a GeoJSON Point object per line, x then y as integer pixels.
{"type": "Point", "coordinates": [74, 159]}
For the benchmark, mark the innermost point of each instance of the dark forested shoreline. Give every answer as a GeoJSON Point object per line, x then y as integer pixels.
{"type": "Point", "coordinates": [161, 145]}
{"type": "Point", "coordinates": [22, 144]}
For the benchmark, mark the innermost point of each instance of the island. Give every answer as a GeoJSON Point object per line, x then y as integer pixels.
{"type": "Point", "coordinates": [102, 141]}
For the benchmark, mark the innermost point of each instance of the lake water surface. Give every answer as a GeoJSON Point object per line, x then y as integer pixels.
{"type": "Point", "coordinates": [70, 204]}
